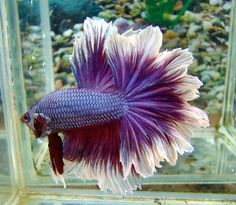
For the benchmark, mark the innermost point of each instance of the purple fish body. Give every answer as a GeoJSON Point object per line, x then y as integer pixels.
{"type": "Point", "coordinates": [129, 113]}
{"type": "Point", "coordinates": [75, 108]}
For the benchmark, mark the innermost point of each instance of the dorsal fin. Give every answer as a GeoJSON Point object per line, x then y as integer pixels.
{"type": "Point", "coordinates": [89, 62]}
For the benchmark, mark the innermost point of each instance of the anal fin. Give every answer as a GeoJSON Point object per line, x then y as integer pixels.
{"type": "Point", "coordinates": [95, 144]}
{"type": "Point", "coordinates": [94, 153]}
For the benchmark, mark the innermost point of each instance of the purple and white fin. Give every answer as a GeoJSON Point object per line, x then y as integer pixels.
{"type": "Point", "coordinates": [89, 62]}
{"type": "Point", "coordinates": [58, 178]}
{"type": "Point", "coordinates": [159, 120]}
{"type": "Point", "coordinates": [93, 153]}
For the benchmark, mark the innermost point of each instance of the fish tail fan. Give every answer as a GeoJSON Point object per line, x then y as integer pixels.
{"type": "Point", "coordinates": [159, 120]}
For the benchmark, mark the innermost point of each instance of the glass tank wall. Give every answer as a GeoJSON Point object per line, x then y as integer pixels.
{"type": "Point", "coordinates": [6, 186]}
{"type": "Point", "coordinates": [36, 42]}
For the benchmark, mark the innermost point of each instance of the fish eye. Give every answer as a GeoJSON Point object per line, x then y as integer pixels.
{"type": "Point", "coordinates": [26, 117]}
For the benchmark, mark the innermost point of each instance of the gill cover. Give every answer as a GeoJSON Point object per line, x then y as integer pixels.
{"type": "Point", "coordinates": [41, 125]}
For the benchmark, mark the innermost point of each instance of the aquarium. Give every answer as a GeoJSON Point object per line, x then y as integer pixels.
{"type": "Point", "coordinates": [35, 46]}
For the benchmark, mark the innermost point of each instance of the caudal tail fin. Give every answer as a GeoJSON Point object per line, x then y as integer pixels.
{"type": "Point", "coordinates": [159, 119]}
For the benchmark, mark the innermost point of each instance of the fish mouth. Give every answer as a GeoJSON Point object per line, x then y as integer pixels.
{"type": "Point", "coordinates": [25, 119]}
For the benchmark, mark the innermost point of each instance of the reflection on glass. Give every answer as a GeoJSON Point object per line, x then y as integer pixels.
{"type": "Point", "coordinates": [36, 60]}
{"type": "Point", "coordinates": [4, 168]}
{"type": "Point", "coordinates": [33, 59]}
{"type": "Point", "coordinates": [1, 114]}
{"type": "Point", "coordinates": [4, 159]}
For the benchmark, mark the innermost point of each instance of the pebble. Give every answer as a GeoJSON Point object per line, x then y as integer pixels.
{"type": "Point", "coordinates": [68, 33]}
{"type": "Point", "coordinates": [227, 6]}
{"type": "Point", "coordinates": [61, 51]}
{"type": "Point", "coordinates": [78, 34]}
{"type": "Point", "coordinates": [171, 43]}
{"type": "Point", "coordinates": [78, 26]}
{"type": "Point", "coordinates": [214, 106]}
{"type": "Point", "coordinates": [66, 60]}
{"type": "Point", "coordinates": [199, 68]}
{"type": "Point", "coordinates": [180, 30]}
{"type": "Point", "coordinates": [26, 44]}
{"type": "Point", "coordinates": [122, 2]}
{"type": "Point", "coordinates": [59, 39]}
{"type": "Point", "coordinates": [34, 29]}
{"type": "Point", "coordinates": [207, 59]}
{"type": "Point", "coordinates": [214, 75]}
{"type": "Point", "coordinates": [220, 96]}
{"type": "Point", "coordinates": [192, 30]}
{"type": "Point", "coordinates": [52, 34]}
{"type": "Point", "coordinates": [205, 78]}
{"type": "Point", "coordinates": [139, 20]}
{"type": "Point", "coordinates": [195, 44]}
{"type": "Point", "coordinates": [71, 79]}
{"type": "Point", "coordinates": [107, 15]}
{"type": "Point", "coordinates": [215, 2]}
{"type": "Point", "coordinates": [210, 49]}
{"type": "Point", "coordinates": [58, 84]}
{"type": "Point", "coordinates": [206, 25]}
{"type": "Point", "coordinates": [119, 9]}
{"type": "Point", "coordinates": [170, 35]}
{"type": "Point", "coordinates": [205, 44]}
{"type": "Point", "coordinates": [33, 37]}
{"type": "Point", "coordinates": [109, 6]}
{"type": "Point", "coordinates": [191, 17]}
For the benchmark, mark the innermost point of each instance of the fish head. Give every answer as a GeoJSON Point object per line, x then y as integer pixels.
{"type": "Point", "coordinates": [36, 121]}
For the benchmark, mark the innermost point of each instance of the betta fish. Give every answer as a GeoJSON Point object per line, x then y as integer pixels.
{"type": "Point", "coordinates": [129, 112]}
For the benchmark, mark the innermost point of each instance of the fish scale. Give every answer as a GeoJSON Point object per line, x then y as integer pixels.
{"type": "Point", "coordinates": [74, 108]}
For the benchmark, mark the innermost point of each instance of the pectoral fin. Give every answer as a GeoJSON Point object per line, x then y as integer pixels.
{"type": "Point", "coordinates": [40, 125]}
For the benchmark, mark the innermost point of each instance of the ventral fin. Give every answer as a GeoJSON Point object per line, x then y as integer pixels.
{"type": "Point", "coordinates": [56, 153]}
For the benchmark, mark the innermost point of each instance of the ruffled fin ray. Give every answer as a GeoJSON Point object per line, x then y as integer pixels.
{"type": "Point", "coordinates": [89, 63]}
{"type": "Point", "coordinates": [93, 153]}
{"type": "Point", "coordinates": [157, 89]}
